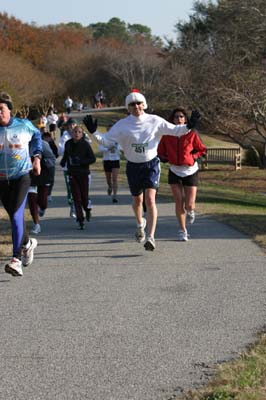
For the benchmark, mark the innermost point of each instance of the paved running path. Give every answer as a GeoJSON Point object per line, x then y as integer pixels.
{"type": "Point", "coordinates": [97, 317]}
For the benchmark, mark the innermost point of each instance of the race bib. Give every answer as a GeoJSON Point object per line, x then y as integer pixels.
{"type": "Point", "coordinates": [140, 147]}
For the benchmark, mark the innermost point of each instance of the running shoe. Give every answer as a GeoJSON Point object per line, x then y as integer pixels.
{"type": "Point", "coordinates": [150, 243]}
{"type": "Point", "coordinates": [27, 254]}
{"type": "Point", "coordinates": [191, 216]}
{"type": "Point", "coordinates": [14, 267]}
{"type": "Point", "coordinates": [72, 212]}
{"type": "Point", "coordinates": [81, 226]}
{"type": "Point", "coordinates": [182, 236]}
{"type": "Point", "coordinates": [88, 214]}
{"type": "Point", "coordinates": [140, 232]}
{"type": "Point", "coordinates": [36, 229]}
{"type": "Point", "coordinates": [41, 212]}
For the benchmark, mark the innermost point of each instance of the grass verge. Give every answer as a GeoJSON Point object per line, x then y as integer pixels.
{"type": "Point", "coordinates": [242, 379]}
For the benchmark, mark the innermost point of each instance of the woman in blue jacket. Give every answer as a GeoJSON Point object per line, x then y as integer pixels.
{"type": "Point", "coordinates": [15, 164]}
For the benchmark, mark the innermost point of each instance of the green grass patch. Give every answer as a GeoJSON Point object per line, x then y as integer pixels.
{"type": "Point", "coordinates": [210, 141]}
{"type": "Point", "coordinates": [211, 193]}
{"type": "Point", "coordinates": [242, 379]}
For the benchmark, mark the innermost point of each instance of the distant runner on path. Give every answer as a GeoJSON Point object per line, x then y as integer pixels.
{"type": "Point", "coordinates": [68, 104]}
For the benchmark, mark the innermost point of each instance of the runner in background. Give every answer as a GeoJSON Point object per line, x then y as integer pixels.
{"type": "Point", "coordinates": [78, 156]}
{"type": "Point", "coordinates": [111, 166]}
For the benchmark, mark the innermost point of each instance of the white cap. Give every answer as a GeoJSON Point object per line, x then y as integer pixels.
{"type": "Point", "coordinates": [134, 97]}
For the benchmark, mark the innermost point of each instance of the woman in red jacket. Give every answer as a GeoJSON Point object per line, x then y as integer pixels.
{"type": "Point", "coordinates": [182, 154]}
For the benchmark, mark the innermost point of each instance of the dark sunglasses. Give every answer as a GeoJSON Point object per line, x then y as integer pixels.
{"type": "Point", "coordinates": [136, 103]}
{"type": "Point", "coordinates": [179, 116]}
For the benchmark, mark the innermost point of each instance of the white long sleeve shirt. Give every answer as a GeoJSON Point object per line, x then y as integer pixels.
{"type": "Point", "coordinates": [62, 141]}
{"type": "Point", "coordinates": [61, 144]}
{"type": "Point", "coordinates": [139, 136]}
{"type": "Point", "coordinates": [110, 153]}
{"type": "Point", "coordinates": [52, 118]}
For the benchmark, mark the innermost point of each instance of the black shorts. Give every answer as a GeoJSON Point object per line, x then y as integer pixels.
{"type": "Point", "coordinates": [108, 165]}
{"type": "Point", "coordinates": [142, 176]}
{"type": "Point", "coordinates": [52, 127]}
{"type": "Point", "coordinates": [190, 180]}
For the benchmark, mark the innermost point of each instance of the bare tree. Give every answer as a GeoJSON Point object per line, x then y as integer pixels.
{"type": "Point", "coordinates": [31, 85]}
{"type": "Point", "coordinates": [224, 50]}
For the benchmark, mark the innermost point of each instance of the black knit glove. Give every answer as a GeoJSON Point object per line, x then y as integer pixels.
{"type": "Point", "coordinates": [90, 124]}
{"type": "Point", "coordinates": [193, 120]}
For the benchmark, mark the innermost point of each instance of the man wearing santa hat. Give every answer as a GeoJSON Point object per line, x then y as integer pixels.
{"type": "Point", "coordinates": [139, 135]}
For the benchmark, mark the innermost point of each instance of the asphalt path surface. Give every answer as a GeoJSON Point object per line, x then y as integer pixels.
{"type": "Point", "coordinates": [98, 317]}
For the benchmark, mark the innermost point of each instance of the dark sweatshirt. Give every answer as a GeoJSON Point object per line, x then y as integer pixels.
{"type": "Point", "coordinates": [78, 156]}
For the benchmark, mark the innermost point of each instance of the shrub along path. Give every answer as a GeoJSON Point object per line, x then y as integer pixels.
{"type": "Point", "coordinates": [97, 317]}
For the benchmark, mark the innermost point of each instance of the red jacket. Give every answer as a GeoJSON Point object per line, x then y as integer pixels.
{"type": "Point", "coordinates": [181, 151]}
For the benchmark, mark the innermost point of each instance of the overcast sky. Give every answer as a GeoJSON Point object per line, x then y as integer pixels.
{"type": "Point", "coordinates": [159, 15]}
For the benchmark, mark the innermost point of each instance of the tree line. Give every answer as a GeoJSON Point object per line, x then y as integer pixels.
{"type": "Point", "coordinates": [216, 64]}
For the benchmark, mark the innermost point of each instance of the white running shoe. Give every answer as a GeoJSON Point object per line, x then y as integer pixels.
{"type": "Point", "coordinates": [191, 216]}
{"type": "Point", "coordinates": [140, 232]}
{"type": "Point", "coordinates": [72, 213]}
{"type": "Point", "coordinates": [14, 267]}
{"type": "Point", "coordinates": [36, 229]}
{"type": "Point", "coordinates": [28, 253]}
{"type": "Point", "coordinates": [182, 236]}
{"type": "Point", "coordinates": [150, 243]}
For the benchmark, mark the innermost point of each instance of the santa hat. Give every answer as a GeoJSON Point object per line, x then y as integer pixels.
{"type": "Point", "coordinates": [134, 97]}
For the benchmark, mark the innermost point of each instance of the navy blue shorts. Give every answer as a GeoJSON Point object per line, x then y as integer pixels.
{"type": "Point", "coordinates": [190, 180]}
{"type": "Point", "coordinates": [142, 176]}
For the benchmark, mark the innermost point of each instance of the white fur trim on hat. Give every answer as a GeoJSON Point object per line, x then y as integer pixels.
{"type": "Point", "coordinates": [136, 96]}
